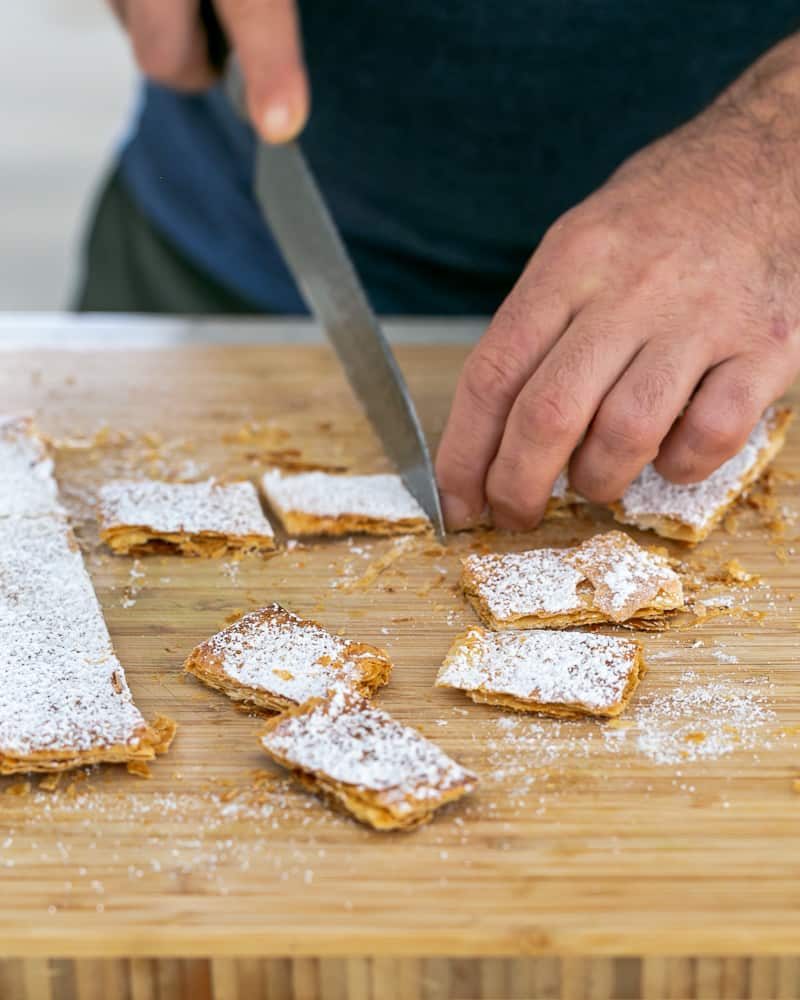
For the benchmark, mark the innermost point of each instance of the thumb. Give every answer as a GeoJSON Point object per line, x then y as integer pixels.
{"type": "Point", "coordinates": [265, 35]}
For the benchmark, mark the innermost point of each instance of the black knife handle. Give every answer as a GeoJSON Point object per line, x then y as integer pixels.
{"type": "Point", "coordinates": [216, 40]}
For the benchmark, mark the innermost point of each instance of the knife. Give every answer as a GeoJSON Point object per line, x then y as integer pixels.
{"type": "Point", "coordinates": [298, 217]}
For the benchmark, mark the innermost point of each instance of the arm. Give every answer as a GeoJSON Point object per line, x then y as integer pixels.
{"type": "Point", "coordinates": [677, 282]}
{"type": "Point", "coordinates": [170, 46]}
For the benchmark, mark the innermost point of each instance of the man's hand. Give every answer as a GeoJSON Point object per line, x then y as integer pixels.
{"type": "Point", "coordinates": [677, 282]}
{"type": "Point", "coordinates": [170, 46]}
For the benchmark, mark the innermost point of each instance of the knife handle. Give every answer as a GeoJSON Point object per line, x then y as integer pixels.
{"type": "Point", "coordinates": [216, 40]}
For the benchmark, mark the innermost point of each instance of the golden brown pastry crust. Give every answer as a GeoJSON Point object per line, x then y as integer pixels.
{"type": "Point", "coordinates": [299, 524]}
{"type": "Point", "coordinates": [142, 539]}
{"type": "Point", "coordinates": [153, 740]}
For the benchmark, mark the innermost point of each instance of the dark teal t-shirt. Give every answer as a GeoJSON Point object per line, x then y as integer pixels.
{"type": "Point", "coordinates": [446, 134]}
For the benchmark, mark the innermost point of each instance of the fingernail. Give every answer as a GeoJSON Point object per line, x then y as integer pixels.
{"type": "Point", "coordinates": [279, 124]}
{"type": "Point", "coordinates": [457, 514]}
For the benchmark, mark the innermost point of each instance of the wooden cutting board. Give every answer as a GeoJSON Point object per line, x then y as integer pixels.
{"type": "Point", "coordinates": [582, 839]}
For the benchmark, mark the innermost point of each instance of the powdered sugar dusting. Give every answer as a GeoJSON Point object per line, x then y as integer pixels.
{"type": "Point", "coordinates": [702, 719]}
{"type": "Point", "coordinates": [61, 686]}
{"type": "Point", "coordinates": [273, 650]}
{"type": "Point", "coordinates": [225, 508]}
{"type": "Point", "coordinates": [349, 741]}
{"type": "Point", "coordinates": [626, 576]}
{"type": "Point", "coordinates": [27, 485]}
{"type": "Point", "coordinates": [695, 504]}
{"type": "Point", "coordinates": [383, 497]}
{"type": "Point", "coordinates": [547, 667]}
{"type": "Point", "coordinates": [522, 583]}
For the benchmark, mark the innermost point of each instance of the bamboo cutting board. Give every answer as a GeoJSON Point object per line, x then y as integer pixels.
{"type": "Point", "coordinates": [582, 840]}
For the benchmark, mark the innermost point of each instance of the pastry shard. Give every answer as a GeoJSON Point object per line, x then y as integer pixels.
{"type": "Point", "coordinates": [27, 486]}
{"type": "Point", "coordinates": [690, 512]}
{"type": "Point", "coordinates": [361, 760]}
{"type": "Point", "coordinates": [608, 578]}
{"type": "Point", "coordinates": [274, 660]}
{"type": "Point", "coordinates": [563, 674]}
{"type": "Point", "coordinates": [194, 519]}
{"type": "Point", "coordinates": [319, 503]}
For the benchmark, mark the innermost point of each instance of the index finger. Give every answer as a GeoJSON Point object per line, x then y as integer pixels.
{"type": "Point", "coordinates": [526, 325]}
{"type": "Point", "coordinates": [266, 37]}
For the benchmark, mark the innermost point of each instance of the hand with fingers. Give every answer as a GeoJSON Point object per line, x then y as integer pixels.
{"type": "Point", "coordinates": [171, 48]}
{"type": "Point", "coordinates": [656, 320]}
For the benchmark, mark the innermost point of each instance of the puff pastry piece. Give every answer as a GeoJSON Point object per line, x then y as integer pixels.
{"type": "Point", "coordinates": [364, 762]}
{"type": "Point", "coordinates": [691, 512]}
{"type": "Point", "coordinates": [319, 503]}
{"type": "Point", "coordinates": [207, 519]}
{"type": "Point", "coordinates": [64, 699]}
{"type": "Point", "coordinates": [608, 578]}
{"type": "Point", "coordinates": [27, 486]}
{"type": "Point", "coordinates": [563, 674]}
{"type": "Point", "coordinates": [274, 660]}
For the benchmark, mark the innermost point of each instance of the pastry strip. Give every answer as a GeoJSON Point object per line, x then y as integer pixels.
{"type": "Point", "coordinates": [607, 578]}
{"type": "Point", "coordinates": [319, 503]}
{"type": "Point", "coordinates": [194, 519]}
{"type": "Point", "coordinates": [691, 512]}
{"type": "Point", "coordinates": [563, 674]}
{"type": "Point", "coordinates": [64, 700]}
{"type": "Point", "coordinates": [361, 760]}
{"type": "Point", "coordinates": [275, 660]}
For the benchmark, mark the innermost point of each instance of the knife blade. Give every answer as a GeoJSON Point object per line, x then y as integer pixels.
{"type": "Point", "coordinates": [315, 254]}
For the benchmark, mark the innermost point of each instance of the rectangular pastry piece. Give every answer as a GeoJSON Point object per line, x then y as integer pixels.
{"type": "Point", "coordinates": [563, 674]}
{"type": "Point", "coordinates": [319, 503]}
{"type": "Point", "coordinates": [27, 486]}
{"type": "Point", "coordinates": [64, 700]}
{"type": "Point", "coordinates": [194, 519]}
{"type": "Point", "coordinates": [361, 760]}
{"type": "Point", "coordinates": [275, 660]}
{"type": "Point", "coordinates": [608, 578]}
{"type": "Point", "coordinates": [691, 512]}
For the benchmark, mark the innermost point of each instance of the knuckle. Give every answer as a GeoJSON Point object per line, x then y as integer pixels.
{"type": "Point", "coordinates": [651, 389]}
{"type": "Point", "coordinates": [491, 374]}
{"type": "Point", "coordinates": [549, 415]}
{"type": "Point", "coordinates": [625, 433]}
{"type": "Point", "coordinates": [158, 60]}
{"type": "Point", "coordinates": [455, 466]}
{"type": "Point", "coordinates": [591, 240]}
{"type": "Point", "coordinates": [712, 435]}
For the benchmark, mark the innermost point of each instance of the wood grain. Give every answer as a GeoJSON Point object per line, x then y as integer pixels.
{"type": "Point", "coordinates": [589, 852]}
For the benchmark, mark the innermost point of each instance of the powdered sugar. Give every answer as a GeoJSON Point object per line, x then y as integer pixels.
{"type": "Point", "coordinates": [702, 720]}
{"type": "Point", "coordinates": [273, 650]}
{"type": "Point", "coordinates": [547, 667]}
{"type": "Point", "coordinates": [320, 494]}
{"type": "Point", "coordinates": [224, 508]}
{"type": "Point", "coordinates": [27, 485]}
{"type": "Point", "coordinates": [695, 503]}
{"type": "Point", "coordinates": [62, 689]}
{"type": "Point", "coordinates": [523, 583]}
{"type": "Point", "coordinates": [349, 741]}
{"type": "Point", "coordinates": [625, 577]}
